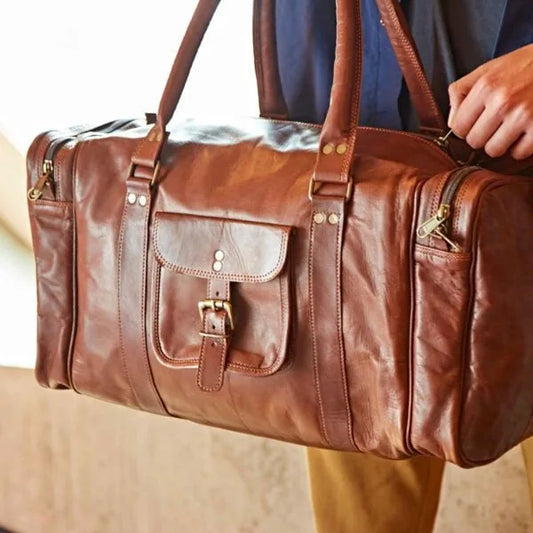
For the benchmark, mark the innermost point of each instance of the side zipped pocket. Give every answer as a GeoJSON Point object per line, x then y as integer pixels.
{"type": "Point", "coordinates": [46, 177]}
{"type": "Point", "coordinates": [440, 224]}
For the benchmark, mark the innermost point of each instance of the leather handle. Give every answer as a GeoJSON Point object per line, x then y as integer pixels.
{"type": "Point", "coordinates": [271, 101]}
{"type": "Point", "coordinates": [339, 129]}
{"type": "Point", "coordinates": [406, 52]}
{"type": "Point", "coordinates": [424, 103]}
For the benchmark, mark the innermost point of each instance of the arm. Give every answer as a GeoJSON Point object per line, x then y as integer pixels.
{"type": "Point", "coordinates": [492, 107]}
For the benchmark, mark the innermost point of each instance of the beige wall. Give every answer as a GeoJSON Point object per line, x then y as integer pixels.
{"type": "Point", "coordinates": [13, 211]}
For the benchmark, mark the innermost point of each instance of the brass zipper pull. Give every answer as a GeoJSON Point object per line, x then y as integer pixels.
{"type": "Point", "coordinates": [37, 190]}
{"type": "Point", "coordinates": [442, 141]}
{"type": "Point", "coordinates": [453, 245]}
{"type": "Point", "coordinates": [435, 226]}
{"type": "Point", "coordinates": [435, 222]}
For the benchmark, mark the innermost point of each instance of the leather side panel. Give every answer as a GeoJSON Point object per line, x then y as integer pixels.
{"type": "Point", "coordinates": [99, 189]}
{"type": "Point", "coordinates": [498, 381]}
{"type": "Point", "coordinates": [377, 303]}
{"type": "Point", "coordinates": [259, 171]}
{"type": "Point", "coordinates": [51, 224]}
{"type": "Point", "coordinates": [441, 288]}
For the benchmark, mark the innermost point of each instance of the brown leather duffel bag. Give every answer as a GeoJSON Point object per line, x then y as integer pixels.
{"type": "Point", "coordinates": [342, 287]}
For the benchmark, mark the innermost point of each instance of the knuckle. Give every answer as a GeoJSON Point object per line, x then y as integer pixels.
{"type": "Point", "coordinates": [488, 84]}
{"type": "Point", "coordinates": [524, 112]}
{"type": "Point", "coordinates": [502, 100]}
{"type": "Point", "coordinates": [454, 89]}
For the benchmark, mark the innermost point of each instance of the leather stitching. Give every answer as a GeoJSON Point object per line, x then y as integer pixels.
{"type": "Point", "coordinates": [143, 307]}
{"type": "Point", "coordinates": [423, 84]}
{"type": "Point", "coordinates": [442, 254]}
{"type": "Point", "coordinates": [120, 326]}
{"type": "Point", "coordinates": [313, 330]}
{"type": "Point", "coordinates": [219, 351]}
{"type": "Point", "coordinates": [197, 272]}
{"type": "Point", "coordinates": [342, 355]}
{"type": "Point", "coordinates": [247, 369]}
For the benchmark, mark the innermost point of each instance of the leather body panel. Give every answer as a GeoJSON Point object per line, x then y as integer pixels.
{"type": "Point", "coordinates": [415, 353]}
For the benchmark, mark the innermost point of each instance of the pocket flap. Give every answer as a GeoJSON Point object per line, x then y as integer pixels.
{"type": "Point", "coordinates": [228, 249]}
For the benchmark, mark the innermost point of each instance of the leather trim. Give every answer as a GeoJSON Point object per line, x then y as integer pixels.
{"type": "Point", "coordinates": [329, 359]}
{"type": "Point", "coordinates": [242, 368]}
{"type": "Point", "coordinates": [214, 351]}
{"type": "Point", "coordinates": [131, 293]}
{"type": "Point", "coordinates": [253, 252]}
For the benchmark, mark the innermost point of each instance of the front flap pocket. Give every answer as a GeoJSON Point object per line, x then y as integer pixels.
{"type": "Point", "coordinates": [221, 295]}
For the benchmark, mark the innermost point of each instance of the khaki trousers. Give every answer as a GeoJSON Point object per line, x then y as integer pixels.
{"type": "Point", "coordinates": [360, 493]}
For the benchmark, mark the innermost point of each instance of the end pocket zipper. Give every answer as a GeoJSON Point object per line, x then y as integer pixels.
{"type": "Point", "coordinates": [47, 173]}
{"type": "Point", "coordinates": [438, 224]}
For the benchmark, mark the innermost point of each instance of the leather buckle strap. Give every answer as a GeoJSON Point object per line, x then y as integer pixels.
{"type": "Point", "coordinates": [315, 185]}
{"type": "Point", "coordinates": [325, 295]}
{"type": "Point", "coordinates": [155, 173]}
{"type": "Point", "coordinates": [216, 315]}
{"type": "Point", "coordinates": [216, 305]}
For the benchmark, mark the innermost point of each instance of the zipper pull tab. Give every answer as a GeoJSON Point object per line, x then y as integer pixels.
{"type": "Point", "coordinates": [453, 245]}
{"type": "Point", "coordinates": [435, 222]}
{"type": "Point", "coordinates": [442, 141]}
{"type": "Point", "coordinates": [37, 190]}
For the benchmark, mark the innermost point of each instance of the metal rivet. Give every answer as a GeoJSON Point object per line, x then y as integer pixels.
{"type": "Point", "coordinates": [132, 198]}
{"type": "Point", "coordinates": [217, 266]}
{"type": "Point", "coordinates": [328, 149]}
{"type": "Point", "coordinates": [143, 200]}
{"type": "Point", "coordinates": [333, 218]}
{"type": "Point", "coordinates": [382, 22]}
{"type": "Point", "coordinates": [319, 218]}
{"type": "Point", "coordinates": [219, 255]}
{"type": "Point", "coordinates": [341, 148]}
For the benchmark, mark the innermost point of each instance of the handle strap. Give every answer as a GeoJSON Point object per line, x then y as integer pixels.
{"type": "Point", "coordinates": [406, 52]}
{"type": "Point", "coordinates": [337, 141]}
{"type": "Point", "coordinates": [271, 101]}
{"type": "Point", "coordinates": [270, 92]}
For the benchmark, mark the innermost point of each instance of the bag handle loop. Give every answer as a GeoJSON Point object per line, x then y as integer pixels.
{"type": "Point", "coordinates": [338, 136]}
{"type": "Point", "coordinates": [271, 100]}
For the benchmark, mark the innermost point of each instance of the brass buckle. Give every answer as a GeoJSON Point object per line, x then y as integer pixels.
{"type": "Point", "coordinates": [155, 175]}
{"type": "Point", "coordinates": [216, 305]}
{"type": "Point", "coordinates": [314, 186]}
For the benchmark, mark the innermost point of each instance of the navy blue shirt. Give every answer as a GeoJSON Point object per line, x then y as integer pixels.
{"type": "Point", "coordinates": [462, 35]}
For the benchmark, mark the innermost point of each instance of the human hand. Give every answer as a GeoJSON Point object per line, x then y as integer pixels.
{"type": "Point", "coordinates": [492, 107]}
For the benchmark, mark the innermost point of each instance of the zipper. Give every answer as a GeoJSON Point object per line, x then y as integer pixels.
{"type": "Point", "coordinates": [47, 170]}
{"type": "Point", "coordinates": [439, 224]}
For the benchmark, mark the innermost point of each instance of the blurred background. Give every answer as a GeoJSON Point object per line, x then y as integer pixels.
{"type": "Point", "coordinates": [72, 464]}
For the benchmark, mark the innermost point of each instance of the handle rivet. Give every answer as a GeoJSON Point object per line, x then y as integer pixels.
{"type": "Point", "coordinates": [333, 218]}
{"type": "Point", "coordinates": [217, 266]}
{"type": "Point", "coordinates": [219, 255]}
{"type": "Point", "coordinates": [342, 148]}
{"type": "Point", "coordinates": [328, 149]}
{"type": "Point", "coordinates": [143, 200]}
{"type": "Point", "coordinates": [132, 198]}
{"type": "Point", "coordinates": [319, 218]}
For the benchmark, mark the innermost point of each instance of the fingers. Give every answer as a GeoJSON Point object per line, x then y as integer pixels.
{"type": "Point", "coordinates": [467, 114]}
{"type": "Point", "coordinates": [485, 127]}
{"type": "Point", "coordinates": [524, 147]}
{"type": "Point", "coordinates": [459, 90]}
{"type": "Point", "coordinates": [505, 136]}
